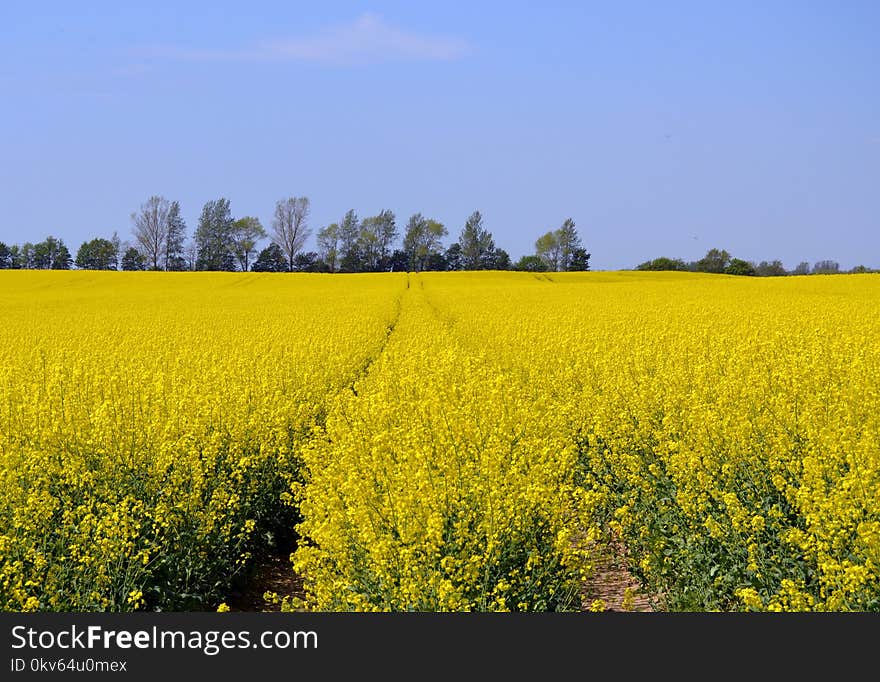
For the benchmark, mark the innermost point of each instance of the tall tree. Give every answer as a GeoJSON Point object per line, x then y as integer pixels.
{"type": "Point", "coordinates": [477, 245]}
{"type": "Point", "coordinates": [290, 226]}
{"type": "Point", "coordinates": [5, 257]}
{"type": "Point", "coordinates": [569, 241]}
{"type": "Point", "coordinates": [349, 243]}
{"type": "Point", "coordinates": [175, 238]}
{"type": "Point", "coordinates": [25, 258]}
{"type": "Point", "coordinates": [151, 229]}
{"type": "Point", "coordinates": [549, 250]}
{"type": "Point", "coordinates": [377, 236]}
{"type": "Point", "coordinates": [328, 246]}
{"type": "Point", "coordinates": [246, 232]}
{"type": "Point", "coordinates": [423, 239]}
{"type": "Point", "coordinates": [97, 254]}
{"type": "Point", "coordinates": [214, 238]}
{"type": "Point", "coordinates": [117, 249]}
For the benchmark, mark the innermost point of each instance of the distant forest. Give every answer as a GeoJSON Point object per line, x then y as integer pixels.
{"type": "Point", "coordinates": [221, 242]}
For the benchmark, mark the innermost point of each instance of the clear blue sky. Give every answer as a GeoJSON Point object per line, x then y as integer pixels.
{"type": "Point", "coordinates": [661, 128]}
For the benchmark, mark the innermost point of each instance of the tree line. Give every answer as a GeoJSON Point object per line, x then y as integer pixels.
{"type": "Point", "coordinates": [222, 242]}
{"type": "Point", "coordinates": [719, 261]}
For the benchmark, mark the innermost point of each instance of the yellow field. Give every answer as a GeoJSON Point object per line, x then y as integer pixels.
{"type": "Point", "coordinates": [463, 441]}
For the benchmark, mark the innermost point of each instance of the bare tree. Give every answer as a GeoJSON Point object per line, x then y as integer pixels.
{"type": "Point", "coordinates": [151, 229]}
{"type": "Point", "coordinates": [290, 226]}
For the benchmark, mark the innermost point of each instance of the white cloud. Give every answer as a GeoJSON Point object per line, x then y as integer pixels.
{"type": "Point", "coordinates": [368, 39]}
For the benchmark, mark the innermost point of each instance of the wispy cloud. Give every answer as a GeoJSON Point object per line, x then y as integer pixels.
{"type": "Point", "coordinates": [368, 39]}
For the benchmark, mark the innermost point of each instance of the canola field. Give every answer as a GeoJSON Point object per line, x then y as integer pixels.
{"type": "Point", "coordinates": [439, 441]}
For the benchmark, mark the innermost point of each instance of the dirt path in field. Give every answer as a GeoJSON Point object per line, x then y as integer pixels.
{"type": "Point", "coordinates": [274, 574]}
{"type": "Point", "coordinates": [611, 583]}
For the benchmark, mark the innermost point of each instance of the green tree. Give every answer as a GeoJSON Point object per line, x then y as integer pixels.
{"type": "Point", "coordinates": [423, 239]}
{"type": "Point", "coordinates": [549, 250]}
{"type": "Point", "coordinates": [306, 262]}
{"type": "Point", "coordinates": [97, 254]}
{"type": "Point", "coordinates": [569, 243]}
{"type": "Point", "coordinates": [271, 259]}
{"type": "Point", "coordinates": [175, 238]}
{"type": "Point", "coordinates": [477, 244]}
{"type": "Point", "coordinates": [663, 263]}
{"type": "Point", "coordinates": [214, 237]}
{"type": "Point", "coordinates": [453, 256]}
{"type": "Point", "coordinates": [738, 266]}
{"type": "Point", "coordinates": [375, 241]}
{"type": "Point", "coordinates": [531, 264]}
{"type": "Point", "coordinates": [771, 269]}
{"type": "Point", "coordinates": [5, 257]}
{"type": "Point", "coordinates": [802, 268]}
{"type": "Point", "coordinates": [350, 259]}
{"type": "Point", "coordinates": [133, 259]}
{"type": "Point", "coordinates": [246, 232]}
{"type": "Point", "coordinates": [25, 257]}
{"type": "Point", "coordinates": [578, 260]}
{"type": "Point", "coordinates": [51, 253]}
{"type": "Point", "coordinates": [328, 246]}
{"type": "Point", "coordinates": [715, 261]}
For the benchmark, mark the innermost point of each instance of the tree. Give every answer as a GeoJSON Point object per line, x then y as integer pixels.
{"type": "Point", "coordinates": [246, 232]}
{"type": "Point", "coordinates": [803, 268]}
{"type": "Point", "coordinates": [771, 269]}
{"type": "Point", "coordinates": [349, 242]}
{"type": "Point", "coordinates": [151, 229]}
{"type": "Point", "coordinates": [385, 226]}
{"type": "Point", "coordinates": [714, 261]}
{"type": "Point", "coordinates": [569, 243]}
{"type": "Point", "coordinates": [477, 245]}
{"type": "Point", "coordinates": [398, 261]}
{"type": "Point", "coordinates": [531, 264]}
{"type": "Point", "coordinates": [5, 257]}
{"type": "Point", "coordinates": [133, 259]}
{"type": "Point", "coordinates": [117, 249]}
{"type": "Point", "coordinates": [51, 253]}
{"type": "Point", "coordinates": [214, 237]}
{"type": "Point", "coordinates": [860, 270]}
{"type": "Point", "coordinates": [826, 267]}
{"type": "Point", "coordinates": [422, 240]}
{"type": "Point", "coordinates": [376, 239]}
{"type": "Point", "coordinates": [25, 258]}
{"type": "Point", "coordinates": [97, 254]}
{"type": "Point", "coordinates": [738, 266]}
{"type": "Point", "coordinates": [579, 260]}
{"type": "Point", "coordinates": [271, 259]}
{"type": "Point", "coordinates": [290, 226]}
{"type": "Point", "coordinates": [453, 256]}
{"type": "Point", "coordinates": [328, 245]}
{"type": "Point", "coordinates": [175, 255]}
{"type": "Point", "coordinates": [306, 262]}
{"type": "Point", "coordinates": [549, 250]}
{"type": "Point", "coordinates": [663, 263]}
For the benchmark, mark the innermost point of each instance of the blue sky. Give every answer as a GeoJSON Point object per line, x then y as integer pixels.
{"type": "Point", "coordinates": [661, 128]}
